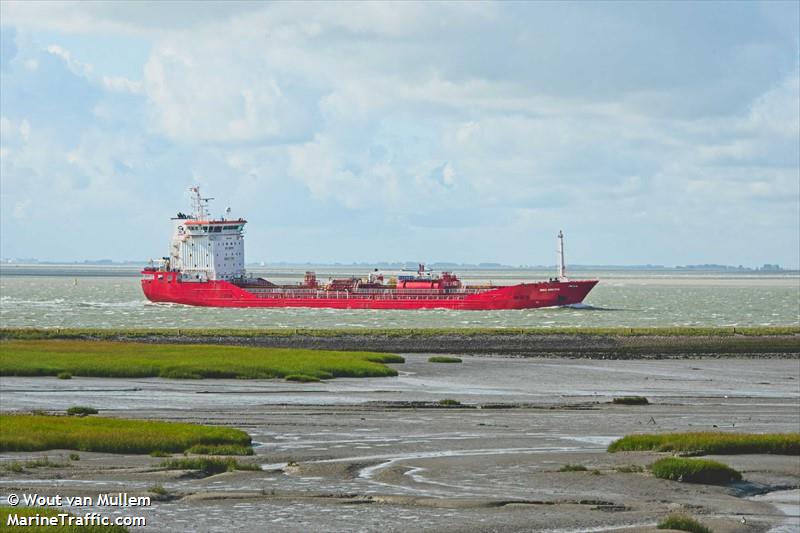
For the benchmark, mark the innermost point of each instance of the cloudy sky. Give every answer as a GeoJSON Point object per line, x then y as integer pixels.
{"type": "Point", "coordinates": [662, 133]}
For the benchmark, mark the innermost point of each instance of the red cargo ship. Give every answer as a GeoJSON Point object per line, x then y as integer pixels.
{"type": "Point", "coordinates": [206, 267]}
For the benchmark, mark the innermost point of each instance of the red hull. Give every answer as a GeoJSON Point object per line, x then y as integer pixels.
{"type": "Point", "coordinates": [166, 287]}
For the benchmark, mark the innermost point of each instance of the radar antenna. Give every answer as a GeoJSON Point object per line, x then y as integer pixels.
{"type": "Point", "coordinates": [199, 204]}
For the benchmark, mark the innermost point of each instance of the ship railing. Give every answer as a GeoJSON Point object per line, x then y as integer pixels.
{"type": "Point", "coordinates": [364, 294]}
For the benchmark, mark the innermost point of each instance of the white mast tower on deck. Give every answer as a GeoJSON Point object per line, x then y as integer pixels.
{"type": "Point", "coordinates": [199, 204]}
{"type": "Point", "coordinates": [562, 268]}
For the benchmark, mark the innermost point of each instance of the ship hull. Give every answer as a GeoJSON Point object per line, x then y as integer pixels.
{"type": "Point", "coordinates": [167, 287]}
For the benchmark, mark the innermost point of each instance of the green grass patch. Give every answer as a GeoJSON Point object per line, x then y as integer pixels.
{"type": "Point", "coordinates": [630, 469]}
{"type": "Point", "coordinates": [21, 512]}
{"type": "Point", "coordinates": [158, 489]}
{"type": "Point", "coordinates": [184, 361]}
{"type": "Point", "coordinates": [161, 453]}
{"type": "Point", "coordinates": [301, 378]}
{"type": "Point", "coordinates": [207, 465]}
{"type": "Point", "coordinates": [17, 467]}
{"type": "Point", "coordinates": [572, 468]}
{"type": "Point", "coordinates": [443, 359]}
{"type": "Point", "coordinates": [631, 400]}
{"type": "Point", "coordinates": [683, 523]}
{"type": "Point", "coordinates": [711, 443]}
{"type": "Point", "coordinates": [43, 462]}
{"type": "Point", "coordinates": [149, 333]}
{"type": "Point", "coordinates": [14, 467]}
{"type": "Point", "coordinates": [694, 471]}
{"type": "Point", "coordinates": [220, 449]}
{"type": "Point", "coordinates": [449, 402]}
{"type": "Point", "coordinates": [113, 435]}
{"type": "Point", "coordinates": [64, 375]}
{"type": "Point", "coordinates": [80, 410]}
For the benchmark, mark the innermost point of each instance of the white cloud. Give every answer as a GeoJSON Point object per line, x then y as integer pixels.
{"type": "Point", "coordinates": [421, 115]}
{"type": "Point", "coordinates": [448, 174]}
{"type": "Point", "coordinates": [85, 70]}
{"type": "Point", "coordinates": [141, 17]}
{"type": "Point", "coordinates": [21, 208]}
{"type": "Point", "coordinates": [212, 92]}
{"type": "Point", "coordinates": [121, 84]}
{"type": "Point", "coordinates": [356, 185]}
{"type": "Point", "coordinates": [25, 130]}
{"type": "Point", "coordinates": [778, 109]}
{"type": "Point", "coordinates": [82, 69]}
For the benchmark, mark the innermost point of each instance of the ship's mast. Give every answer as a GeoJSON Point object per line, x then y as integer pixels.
{"type": "Point", "coordinates": [562, 268]}
{"type": "Point", "coordinates": [199, 204]}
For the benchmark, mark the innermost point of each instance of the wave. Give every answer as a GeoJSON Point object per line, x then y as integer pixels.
{"type": "Point", "coordinates": [148, 303]}
{"type": "Point", "coordinates": [7, 301]}
{"type": "Point", "coordinates": [10, 300]}
{"type": "Point", "coordinates": [133, 304]}
{"type": "Point", "coordinates": [587, 307]}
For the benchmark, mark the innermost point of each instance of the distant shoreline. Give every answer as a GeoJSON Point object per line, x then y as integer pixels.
{"type": "Point", "coordinates": [9, 267]}
{"type": "Point", "coordinates": [595, 343]}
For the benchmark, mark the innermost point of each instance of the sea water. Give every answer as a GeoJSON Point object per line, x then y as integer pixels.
{"type": "Point", "coordinates": [111, 297]}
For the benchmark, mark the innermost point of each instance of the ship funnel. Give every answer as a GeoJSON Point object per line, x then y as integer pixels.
{"type": "Point", "coordinates": [562, 268]}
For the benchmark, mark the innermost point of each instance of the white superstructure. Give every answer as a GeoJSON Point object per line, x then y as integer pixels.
{"type": "Point", "coordinates": [206, 249]}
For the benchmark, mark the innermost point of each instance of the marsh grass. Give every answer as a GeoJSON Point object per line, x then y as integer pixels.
{"type": "Point", "coordinates": [630, 469]}
{"type": "Point", "coordinates": [631, 400]}
{"type": "Point", "coordinates": [302, 378]}
{"type": "Point", "coordinates": [149, 333]}
{"type": "Point", "coordinates": [683, 523]}
{"type": "Point", "coordinates": [44, 462]}
{"type": "Point", "coordinates": [160, 453]}
{"type": "Point", "coordinates": [711, 443]}
{"type": "Point", "coordinates": [695, 471]}
{"type": "Point", "coordinates": [80, 410]}
{"type": "Point", "coordinates": [14, 467]}
{"type": "Point", "coordinates": [220, 449]}
{"type": "Point", "coordinates": [5, 511]}
{"type": "Point", "coordinates": [64, 375]}
{"type": "Point", "coordinates": [443, 359]}
{"type": "Point", "coordinates": [449, 402]}
{"type": "Point", "coordinates": [112, 435]}
{"type": "Point", "coordinates": [208, 466]}
{"type": "Point", "coordinates": [572, 468]}
{"type": "Point", "coordinates": [159, 490]}
{"type": "Point", "coordinates": [17, 467]}
{"type": "Point", "coordinates": [184, 361]}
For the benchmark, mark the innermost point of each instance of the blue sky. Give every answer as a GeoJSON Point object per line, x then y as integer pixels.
{"type": "Point", "coordinates": [665, 133]}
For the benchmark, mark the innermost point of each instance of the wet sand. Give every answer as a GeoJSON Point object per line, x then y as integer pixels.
{"type": "Point", "coordinates": [379, 454]}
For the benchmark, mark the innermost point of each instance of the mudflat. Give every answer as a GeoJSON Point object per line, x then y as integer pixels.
{"type": "Point", "coordinates": [595, 343]}
{"type": "Point", "coordinates": [524, 344]}
{"type": "Point", "coordinates": [386, 454]}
